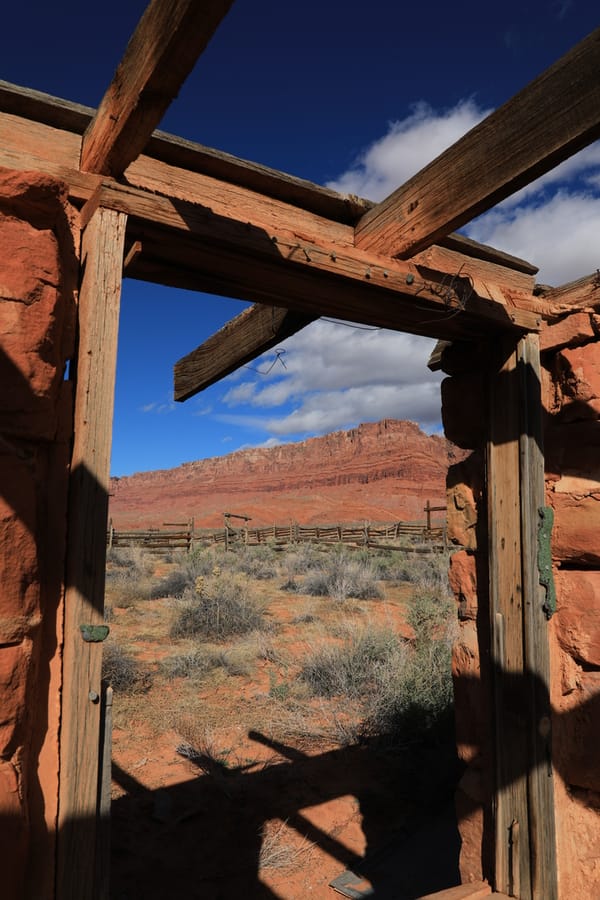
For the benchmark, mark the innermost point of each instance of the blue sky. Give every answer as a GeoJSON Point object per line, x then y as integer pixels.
{"type": "Point", "coordinates": [355, 97]}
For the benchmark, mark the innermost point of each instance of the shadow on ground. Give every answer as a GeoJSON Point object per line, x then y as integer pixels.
{"type": "Point", "coordinates": [202, 838]}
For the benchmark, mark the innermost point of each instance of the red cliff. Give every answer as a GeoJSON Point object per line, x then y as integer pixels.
{"type": "Point", "coordinates": [380, 471]}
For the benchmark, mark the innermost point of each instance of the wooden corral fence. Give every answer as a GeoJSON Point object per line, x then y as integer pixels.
{"type": "Point", "coordinates": [386, 535]}
{"type": "Point", "coordinates": [154, 540]}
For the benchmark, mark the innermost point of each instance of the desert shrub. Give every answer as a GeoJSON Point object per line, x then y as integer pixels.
{"type": "Point", "coordinates": [259, 562]}
{"type": "Point", "coordinates": [416, 700]}
{"type": "Point", "coordinates": [196, 663]}
{"type": "Point", "coordinates": [122, 671]}
{"type": "Point", "coordinates": [217, 608]}
{"type": "Point", "coordinates": [354, 667]}
{"type": "Point", "coordinates": [299, 559]}
{"type": "Point", "coordinates": [128, 575]}
{"type": "Point", "coordinates": [200, 661]}
{"type": "Point", "coordinates": [200, 563]}
{"type": "Point", "coordinates": [343, 577]}
{"type": "Point", "coordinates": [402, 689]}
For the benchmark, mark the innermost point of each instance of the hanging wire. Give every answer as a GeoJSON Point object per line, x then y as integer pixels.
{"type": "Point", "coordinates": [278, 358]}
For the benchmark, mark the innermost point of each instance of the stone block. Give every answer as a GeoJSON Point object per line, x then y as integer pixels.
{"type": "Point", "coordinates": [577, 620]}
{"type": "Point", "coordinates": [578, 376]}
{"type": "Point", "coordinates": [463, 582]}
{"type": "Point", "coordinates": [14, 671]}
{"type": "Point", "coordinates": [575, 536]}
{"type": "Point", "coordinates": [462, 516]}
{"type": "Point", "coordinates": [571, 331]}
{"type": "Point", "coordinates": [580, 730]}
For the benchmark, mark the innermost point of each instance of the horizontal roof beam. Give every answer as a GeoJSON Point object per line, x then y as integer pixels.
{"type": "Point", "coordinates": [161, 53]}
{"type": "Point", "coordinates": [548, 121]}
{"type": "Point", "coordinates": [256, 330]}
{"type": "Point", "coordinates": [224, 250]}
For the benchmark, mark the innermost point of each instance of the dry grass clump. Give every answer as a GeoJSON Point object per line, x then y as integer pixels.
{"type": "Point", "coordinates": [128, 576]}
{"type": "Point", "coordinates": [200, 563]}
{"type": "Point", "coordinates": [402, 689]}
{"type": "Point", "coordinates": [343, 577]}
{"type": "Point", "coordinates": [122, 672]}
{"type": "Point", "coordinates": [217, 608]}
{"type": "Point", "coordinates": [259, 562]}
{"type": "Point", "coordinates": [280, 848]}
{"type": "Point", "coordinates": [299, 559]}
{"type": "Point", "coordinates": [202, 660]}
{"type": "Point", "coordinates": [353, 668]}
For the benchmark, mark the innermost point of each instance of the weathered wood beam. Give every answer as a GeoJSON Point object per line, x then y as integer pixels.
{"type": "Point", "coordinates": [542, 830]}
{"type": "Point", "coordinates": [556, 115]}
{"type": "Point", "coordinates": [512, 875]}
{"type": "Point", "coordinates": [99, 300]}
{"type": "Point", "coordinates": [272, 264]}
{"type": "Point", "coordinates": [42, 132]}
{"type": "Point", "coordinates": [241, 340]}
{"type": "Point", "coordinates": [161, 53]}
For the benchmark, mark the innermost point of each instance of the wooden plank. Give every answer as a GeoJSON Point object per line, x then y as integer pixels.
{"type": "Point", "coordinates": [552, 118]}
{"type": "Point", "coordinates": [161, 53]}
{"type": "Point", "coordinates": [490, 279]}
{"type": "Point", "coordinates": [26, 145]}
{"type": "Point", "coordinates": [101, 263]}
{"type": "Point", "coordinates": [506, 622]}
{"type": "Point", "coordinates": [244, 258]}
{"type": "Point", "coordinates": [192, 157]}
{"type": "Point", "coordinates": [245, 337]}
{"type": "Point", "coordinates": [542, 833]}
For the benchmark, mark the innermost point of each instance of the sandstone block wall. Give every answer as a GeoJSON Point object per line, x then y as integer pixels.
{"type": "Point", "coordinates": [572, 448]}
{"type": "Point", "coordinates": [38, 277]}
{"type": "Point", "coordinates": [571, 399]}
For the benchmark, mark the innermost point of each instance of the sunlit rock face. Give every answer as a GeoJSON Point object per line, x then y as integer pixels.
{"type": "Point", "coordinates": [38, 272]}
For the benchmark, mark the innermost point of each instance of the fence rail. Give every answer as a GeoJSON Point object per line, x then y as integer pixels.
{"type": "Point", "coordinates": [383, 535]}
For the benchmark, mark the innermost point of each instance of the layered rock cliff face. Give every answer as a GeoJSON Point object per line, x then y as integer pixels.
{"type": "Point", "coordinates": [379, 472]}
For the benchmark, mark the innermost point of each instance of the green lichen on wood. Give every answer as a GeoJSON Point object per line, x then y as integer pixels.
{"type": "Point", "coordinates": [546, 520]}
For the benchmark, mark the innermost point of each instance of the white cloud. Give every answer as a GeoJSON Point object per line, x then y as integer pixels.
{"type": "Point", "coordinates": [552, 222]}
{"type": "Point", "coordinates": [408, 146]}
{"type": "Point", "coordinates": [158, 408]}
{"type": "Point", "coordinates": [559, 234]}
{"type": "Point", "coordinates": [337, 376]}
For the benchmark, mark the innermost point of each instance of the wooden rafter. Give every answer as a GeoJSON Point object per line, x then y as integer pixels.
{"type": "Point", "coordinates": [548, 121]}
{"type": "Point", "coordinates": [193, 246]}
{"type": "Point", "coordinates": [256, 330]}
{"type": "Point", "coordinates": [161, 53]}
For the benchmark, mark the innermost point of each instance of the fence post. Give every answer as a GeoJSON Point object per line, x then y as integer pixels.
{"type": "Point", "coordinates": [110, 534]}
{"type": "Point", "coordinates": [428, 511]}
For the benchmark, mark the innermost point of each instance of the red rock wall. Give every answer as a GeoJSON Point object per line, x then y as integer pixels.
{"type": "Point", "coordinates": [572, 447]}
{"type": "Point", "coordinates": [38, 272]}
{"type": "Point", "coordinates": [571, 398]}
{"type": "Point", "coordinates": [464, 423]}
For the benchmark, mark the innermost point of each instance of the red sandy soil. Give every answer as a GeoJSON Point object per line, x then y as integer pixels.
{"type": "Point", "coordinates": [270, 772]}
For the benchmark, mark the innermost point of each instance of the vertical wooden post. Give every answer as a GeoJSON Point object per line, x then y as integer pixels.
{"type": "Point", "coordinates": [104, 800]}
{"type": "Point", "coordinates": [99, 300]}
{"type": "Point", "coordinates": [428, 512]}
{"type": "Point", "coordinates": [506, 622]}
{"type": "Point", "coordinates": [537, 652]}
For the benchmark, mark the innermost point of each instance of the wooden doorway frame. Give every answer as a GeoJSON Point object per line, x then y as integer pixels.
{"type": "Point", "coordinates": [169, 211]}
